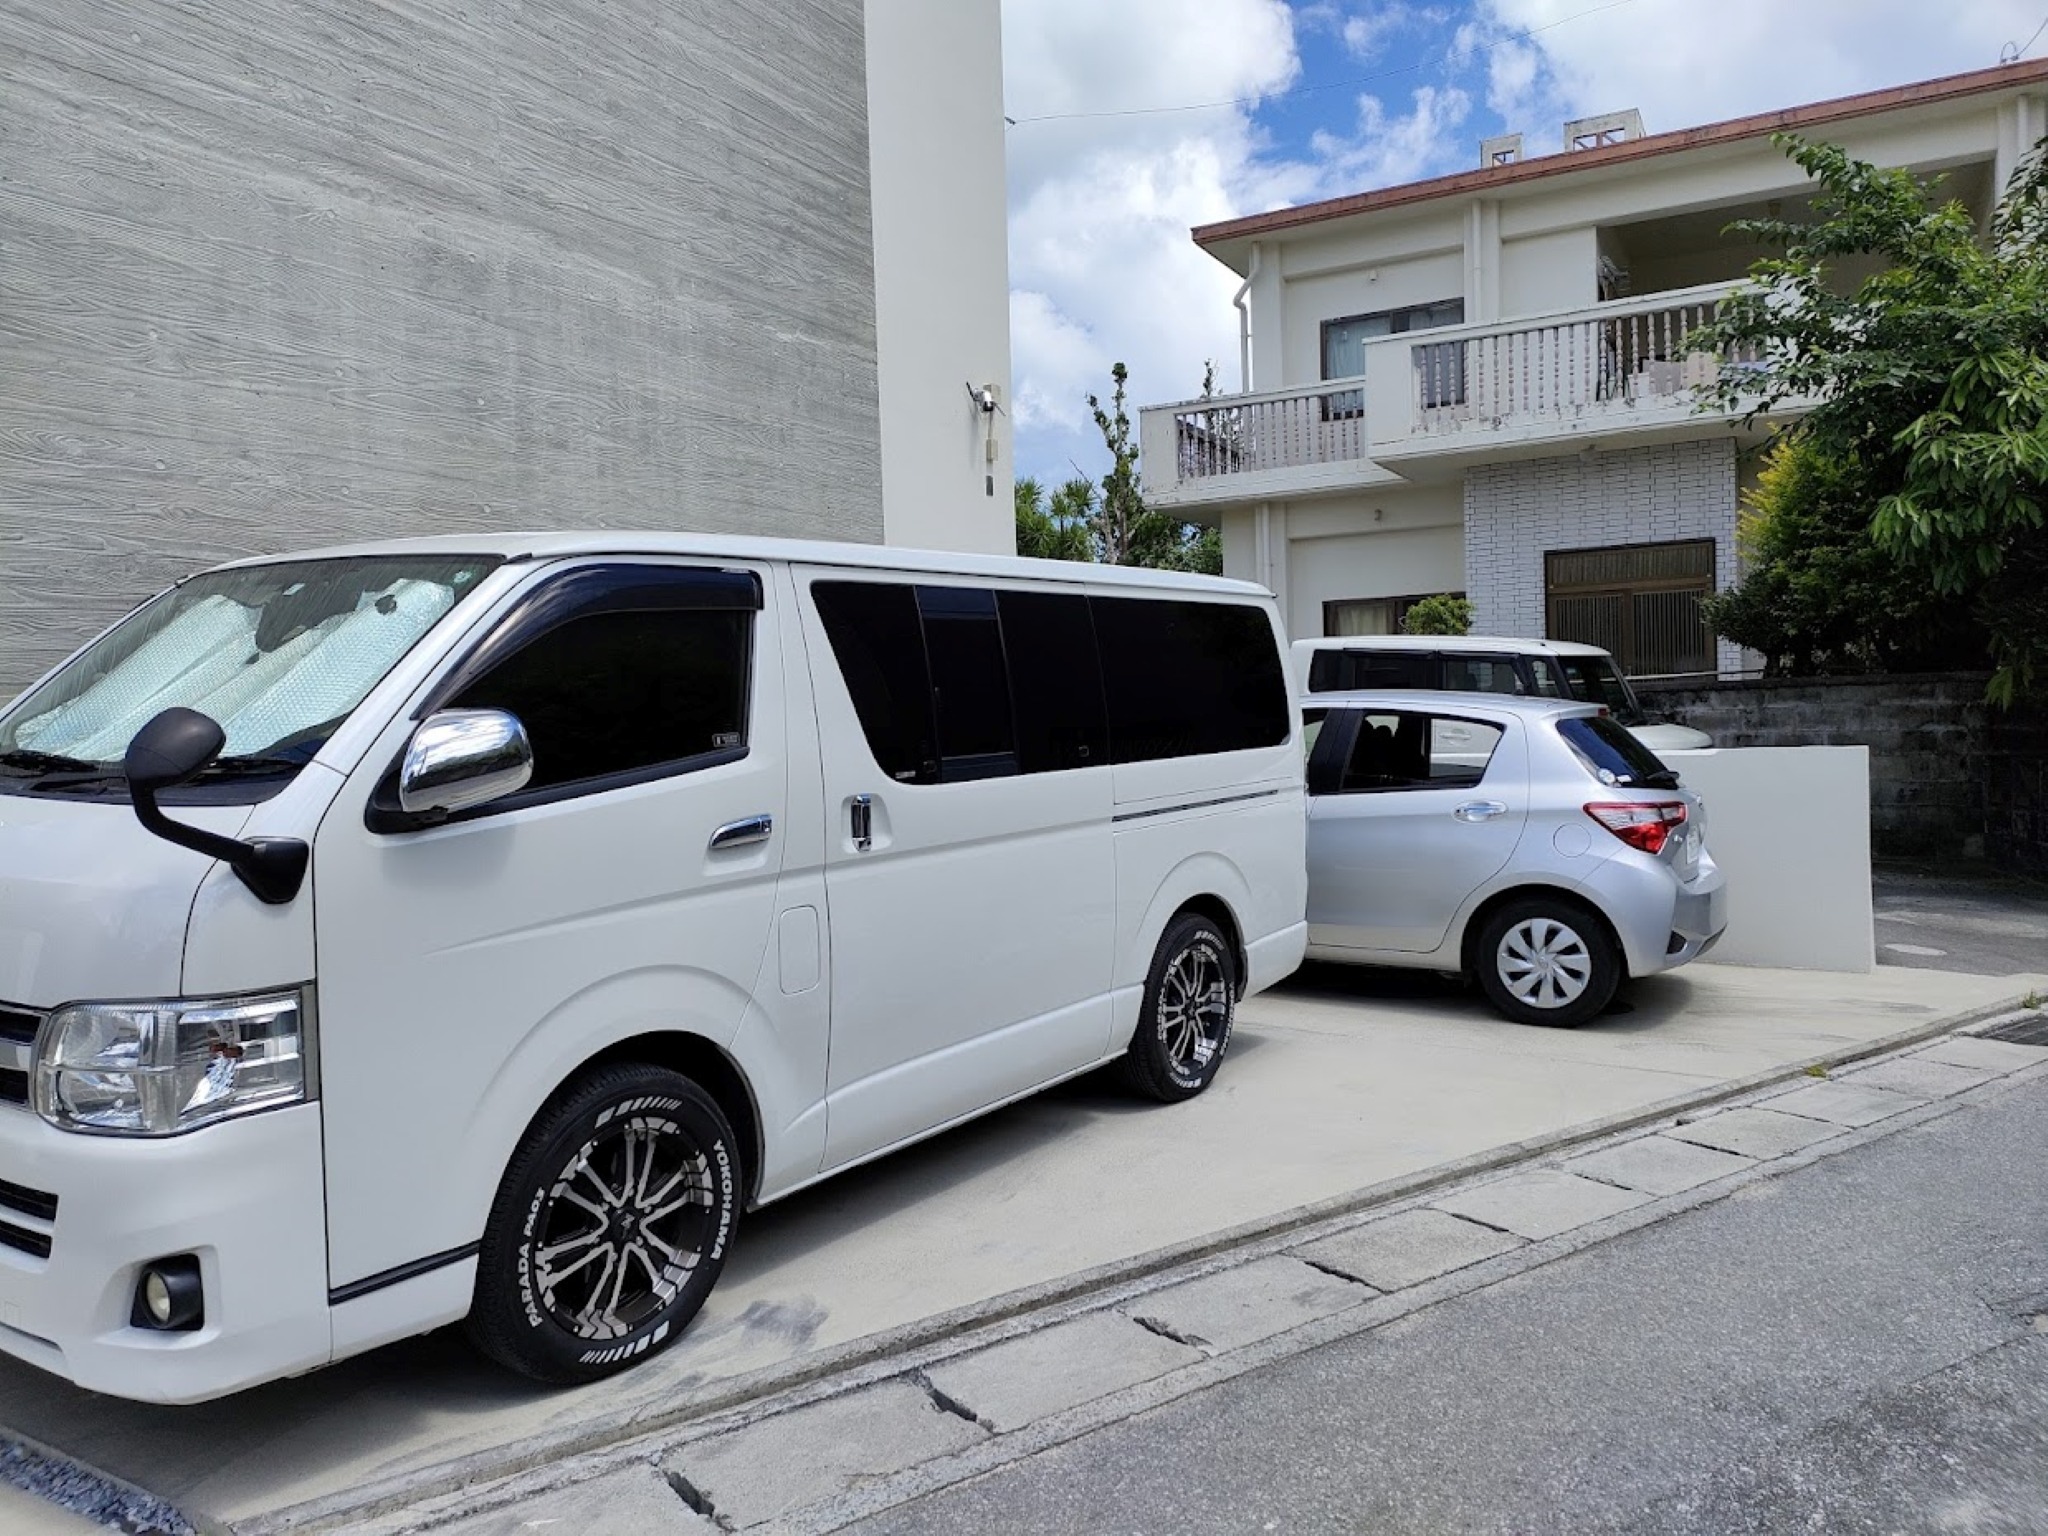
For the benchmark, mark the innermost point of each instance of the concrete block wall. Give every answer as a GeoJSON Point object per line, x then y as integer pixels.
{"type": "Point", "coordinates": [280, 275]}
{"type": "Point", "coordinates": [1927, 736]}
{"type": "Point", "coordinates": [1516, 511]}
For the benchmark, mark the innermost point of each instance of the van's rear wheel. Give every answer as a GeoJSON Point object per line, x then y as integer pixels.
{"type": "Point", "coordinates": [1189, 1007]}
{"type": "Point", "coordinates": [610, 1228]}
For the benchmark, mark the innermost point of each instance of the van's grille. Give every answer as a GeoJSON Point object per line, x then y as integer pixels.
{"type": "Point", "coordinates": [36, 1243]}
{"type": "Point", "coordinates": [19, 1024]}
{"type": "Point", "coordinates": [18, 1027]}
{"type": "Point", "coordinates": [30, 1202]}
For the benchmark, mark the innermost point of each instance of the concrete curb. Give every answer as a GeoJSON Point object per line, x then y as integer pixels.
{"type": "Point", "coordinates": [732, 1397]}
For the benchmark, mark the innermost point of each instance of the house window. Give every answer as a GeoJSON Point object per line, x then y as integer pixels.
{"type": "Point", "coordinates": [1641, 602]}
{"type": "Point", "coordinates": [1344, 351]}
{"type": "Point", "coordinates": [1370, 615]}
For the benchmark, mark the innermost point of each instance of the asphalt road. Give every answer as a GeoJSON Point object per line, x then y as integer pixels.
{"type": "Point", "coordinates": [1968, 920]}
{"type": "Point", "coordinates": [1860, 1344]}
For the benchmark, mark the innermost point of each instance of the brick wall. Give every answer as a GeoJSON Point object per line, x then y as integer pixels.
{"type": "Point", "coordinates": [1949, 777]}
{"type": "Point", "coordinates": [1515, 512]}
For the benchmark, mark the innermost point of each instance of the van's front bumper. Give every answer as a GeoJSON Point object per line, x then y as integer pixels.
{"type": "Point", "coordinates": [245, 1196]}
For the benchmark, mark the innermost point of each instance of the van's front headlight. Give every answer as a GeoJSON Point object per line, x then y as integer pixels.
{"type": "Point", "coordinates": [158, 1068]}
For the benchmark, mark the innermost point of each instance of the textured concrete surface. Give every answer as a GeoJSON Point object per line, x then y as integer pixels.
{"type": "Point", "coordinates": [1337, 1081]}
{"type": "Point", "coordinates": [1407, 1248]}
{"type": "Point", "coordinates": [1539, 1204]}
{"type": "Point", "coordinates": [635, 1502]}
{"type": "Point", "coordinates": [780, 1464]}
{"type": "Point", "coordinates": [1658, 1165]}
{"type": "Point", "coordinates": [1966, 918]}
{"type": "Point", "coordinates": [1755, 1132]}
{"type": "Point", "coordinates": [23, 1514]}
{"type": "Point", "coordinates": [1241, 1306]}
{"type": "Point", "coordinates": [1043, 1373]}
{"type": "Point", "coordinates": [1844, 1103]}
{"type": "Point", "coordinates": [1850, 1346]}
{"type": "Point", "coordinates": [1984, 1055]}
{"type": "Point", "coordinates": [1927, 1079]}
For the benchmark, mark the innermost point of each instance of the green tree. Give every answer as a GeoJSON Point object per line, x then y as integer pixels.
{"type": "Point", "coordinates": [1127, 532]}
{"type": "Point", "coordinates": [1439, 615]}
{"type": "Point", "coordinates": [1928, 379]}
{"type": "Point", "coordinates": [1055, 531]}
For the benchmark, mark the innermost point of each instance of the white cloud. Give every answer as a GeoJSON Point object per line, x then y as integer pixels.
{"type": "Point", "coordinates": [1383, 151]}
{"type": "Point", "coordinates": [1685, 63]}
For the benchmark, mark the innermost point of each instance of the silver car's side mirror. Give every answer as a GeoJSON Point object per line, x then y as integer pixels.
{"type": "Point", "coordinates": [460, 758]}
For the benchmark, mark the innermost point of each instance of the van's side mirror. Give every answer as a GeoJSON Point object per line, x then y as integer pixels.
{"type": "Point", "coordinates": [172, 748]}
{"type": "Point", "coordinates": [461, 758]}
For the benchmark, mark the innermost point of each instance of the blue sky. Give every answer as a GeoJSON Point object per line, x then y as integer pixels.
{"type": "Point", "coordinates": [1290, 102]}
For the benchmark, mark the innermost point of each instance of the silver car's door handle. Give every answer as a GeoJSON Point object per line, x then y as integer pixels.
{"type": "Point", "coordinates": [748, 829]}
{"type": "Point", "coordinates": [1480, 810]}
{"type": "Point", "coordinates": [863, 822]}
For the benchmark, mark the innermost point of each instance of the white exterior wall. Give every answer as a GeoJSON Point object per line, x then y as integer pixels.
{"type": "Point", "coordinates": [942, 315]}
{"type": "Point", "coordinates": [1515, 512]}
{"type": "Point", "coordinates": [1542, 274]}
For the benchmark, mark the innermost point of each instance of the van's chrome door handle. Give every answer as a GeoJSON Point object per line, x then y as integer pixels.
{"type": "Point", "coordinates": [748, 829]}
{"type": "Point", "coordinates": [863, 822]}
{"type": "Point", "coordinates": [1480, 810]}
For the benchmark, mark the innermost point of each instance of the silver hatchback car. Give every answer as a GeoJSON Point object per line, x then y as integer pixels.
{"type": "Point", "coordinates": [1534, 845]}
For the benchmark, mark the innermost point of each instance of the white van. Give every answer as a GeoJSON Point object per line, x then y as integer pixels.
{"type": "Point", "coordinates": [476, 927]}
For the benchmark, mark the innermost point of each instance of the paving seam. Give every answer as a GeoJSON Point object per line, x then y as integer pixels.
{"type": "Point", "coordinates": [1000, 1450]}
{"type": "Point", "coordinates": [600, 1445]}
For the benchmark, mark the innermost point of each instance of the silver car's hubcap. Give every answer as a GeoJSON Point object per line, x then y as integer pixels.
{"type": "Point", "coordinates": [1194, 1009]}
{"type": "Point", "coordinates": [622, 1227]}
{"type": "Point", "coordinates": [1544, 963]}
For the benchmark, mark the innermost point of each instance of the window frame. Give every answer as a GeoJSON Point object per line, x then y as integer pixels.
{"type": "Point", "coordinates": [583, 592]}
{"type": "Point", "coordinates": [1344, 404]}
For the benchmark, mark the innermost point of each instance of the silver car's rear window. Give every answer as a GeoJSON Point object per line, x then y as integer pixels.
{"type": "Point", "coordinates": [1612, 755]}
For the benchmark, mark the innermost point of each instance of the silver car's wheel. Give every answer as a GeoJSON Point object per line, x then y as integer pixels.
{"type": "Point", "coordinates": [1544, 963]}
{"type": "Point", "coordinates": [1546, 960]}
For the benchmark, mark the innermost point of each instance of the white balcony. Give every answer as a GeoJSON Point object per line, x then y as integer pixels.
{"type": "Point", "coordinates": [1431, 401]}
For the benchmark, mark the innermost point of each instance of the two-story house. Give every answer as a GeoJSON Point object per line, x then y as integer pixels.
{"type": "Point", "coordinates": [1480, 383]}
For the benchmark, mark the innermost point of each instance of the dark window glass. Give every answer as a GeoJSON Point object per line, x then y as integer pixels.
{"type": "Point", "coordinates": [1055, 681]}
{"type": "Point", "coordinates": [879, 644]}
{"type": "Point", "coordinates": [1594, 681]}
{"type": "Point", "coordinates": [1612, 755]}
{"type": "Point", "coordinates": [970, 690]}
{"type": "Point", "coordinates": [1481, 674]}
{"type": "Point", "coordinates": [1404, 751]}
{"type": "Point", "coordinates": [614, 693]}
{"type": "Point", "coordinates": [1334, 671]}
{"type": "Point", "coordinates": [1184, 678]}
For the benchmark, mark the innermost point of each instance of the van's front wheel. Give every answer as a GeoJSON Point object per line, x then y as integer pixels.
{"type": "Point", "coordinates": [1189, 1008]}
{"type": "Point", "coordinates": [610, 1228]}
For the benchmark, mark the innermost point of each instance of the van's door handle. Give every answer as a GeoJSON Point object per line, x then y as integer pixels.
{"type": "Point", "coordinates": [1480, 810]}
{"type": "Point", "coordinates": [748, 829]}
{"type": "Point", "coordinates": [863, 822]}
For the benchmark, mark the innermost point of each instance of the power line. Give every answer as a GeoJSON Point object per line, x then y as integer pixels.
{"type": "Point", "coordinates": [2009, 54]}
{"type": "Point", "coordinates": [1330, 85]}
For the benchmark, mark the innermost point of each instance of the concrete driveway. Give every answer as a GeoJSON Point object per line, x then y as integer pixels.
{"type": "Point", "coordinates": [1338, 1082]}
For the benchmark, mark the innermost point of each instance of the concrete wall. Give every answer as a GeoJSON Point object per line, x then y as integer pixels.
{"type": "Point", "coordinates": [1790, 828]}
{"type": "Point", "coordinates": [942, 288]}
{"type": "Point", "coordinates": [279, 275]}
{"type": "Point", "coordinates": [1393, 284]}
{"type": "Point", "coordinates": [1517, 510]}
{"type": "Point", "coordinates": [1543, 273]}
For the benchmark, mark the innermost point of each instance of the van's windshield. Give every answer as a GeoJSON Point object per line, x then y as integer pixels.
{"type": "Point", "coordinates": [1596, 680]}
{"type": "Point", "coordinates": [278, 654]}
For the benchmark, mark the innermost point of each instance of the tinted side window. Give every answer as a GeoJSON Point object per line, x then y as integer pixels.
{"type": "Point", "coordinates": [1549, 684]}
{"type": "Point", "coordinates": [1184, 678]}
{"type": "Point", "coordinates": [1055, 680]}
{"type": "Point", "coordinates": [970, 689]}
{"type": "Point", "coordinates": [1404, 751]}
{"type": "Point", "coordinates": [614, 693]}
{"type": "Point", "coordinates": [1331, 671]}
{"type": "Point", "coordinates": [1481, 674]}
{"type": "Point", "coordinates": [879, 644]}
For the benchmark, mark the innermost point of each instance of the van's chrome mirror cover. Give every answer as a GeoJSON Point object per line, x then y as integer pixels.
{"type": "Point", "coordinates": [462, 758]}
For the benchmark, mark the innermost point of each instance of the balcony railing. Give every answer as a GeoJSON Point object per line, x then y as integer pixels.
{"type": "Point", "coordinates": [1244, 434]}
{"type": "Point", "coordinates": [1621, 358]}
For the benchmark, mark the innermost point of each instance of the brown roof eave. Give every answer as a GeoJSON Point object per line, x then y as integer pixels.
{"type": "Point", "coordinates": [1488, 178]}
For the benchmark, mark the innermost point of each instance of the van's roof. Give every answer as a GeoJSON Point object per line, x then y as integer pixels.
{"type": "Point", "coordinates": [1446, 702]}
{"type": "Point", "coordinates": [720, 546]}
{"type": "Point", "coordinates": [1514, 647]}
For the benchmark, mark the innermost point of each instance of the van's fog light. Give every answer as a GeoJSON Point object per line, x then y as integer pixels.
{"type": "Point", "coordinates": [168, 1296]}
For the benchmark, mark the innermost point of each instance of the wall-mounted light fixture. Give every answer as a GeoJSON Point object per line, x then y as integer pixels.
{"type": "Point", "coordinates": [988, 401]}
